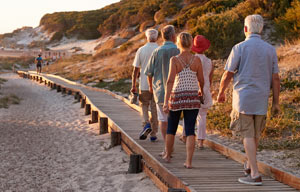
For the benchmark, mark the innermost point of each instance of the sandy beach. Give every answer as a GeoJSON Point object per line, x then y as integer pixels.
{"type": "Point", "coordinates": [46, 144]}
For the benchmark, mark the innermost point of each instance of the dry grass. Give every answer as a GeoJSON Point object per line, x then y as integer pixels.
{"type": "Point", "coordinates": [289, 55]}
{"type": "Point", "coordinates": [8, 100]}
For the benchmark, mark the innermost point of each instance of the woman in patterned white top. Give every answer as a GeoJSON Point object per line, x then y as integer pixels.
{"type": "Point", "coordinates": [182, 95]}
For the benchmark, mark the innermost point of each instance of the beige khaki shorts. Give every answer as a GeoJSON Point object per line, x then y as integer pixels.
{"type": "Point", "coordinates": [247, 126]}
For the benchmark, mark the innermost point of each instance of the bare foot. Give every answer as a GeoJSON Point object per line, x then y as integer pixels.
{"type": "Point", "coordinates": [187, 166]}
{"type": "Point", "coordinates": [182, 138]}
{"type": "Point", "coordinates": [167, 158]}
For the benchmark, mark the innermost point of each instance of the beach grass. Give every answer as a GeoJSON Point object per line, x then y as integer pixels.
{"type": "Point", "coordinates": [8, 100]}
{"type": "Point", "coordinates": [117, 86]}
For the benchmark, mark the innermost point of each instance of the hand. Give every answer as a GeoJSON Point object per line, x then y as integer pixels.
{"type": "Point", "coordinates": [150, 90]}
{"type": "Point", "coordinates": [275, 109]}
{"type": "Point", "coordinates": [133, 89]}
{"type": "Point", "coordinates": [200, 93]}
{"type": "Point", "coordinates": [166, 108]}
{"type": "Point", "coordinates": [221, 97]}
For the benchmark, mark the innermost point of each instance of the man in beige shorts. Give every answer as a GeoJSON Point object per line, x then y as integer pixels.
{"type": "Point", "coordinates": [254, 68]}
{"type": "Point", "coordinates": [143, 54]}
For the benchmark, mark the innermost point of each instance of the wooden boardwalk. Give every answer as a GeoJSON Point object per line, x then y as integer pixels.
{"type": "Point", "coordinates": [211, 171]}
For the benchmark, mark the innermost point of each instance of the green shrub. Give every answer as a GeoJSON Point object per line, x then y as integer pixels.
{"type": "Point", "coordinates": [288, 25]}
{"type": "Point", "coordinates": [125, 46]}
{"type": "Point", "coordinates": [223, 31]}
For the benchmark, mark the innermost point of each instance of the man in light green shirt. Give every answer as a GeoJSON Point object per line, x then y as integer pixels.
{"type": "Point", "coordinates": [157, 71]}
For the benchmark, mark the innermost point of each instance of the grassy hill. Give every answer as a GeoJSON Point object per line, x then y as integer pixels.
{"type": "Point", "coordinates": [221, 21]}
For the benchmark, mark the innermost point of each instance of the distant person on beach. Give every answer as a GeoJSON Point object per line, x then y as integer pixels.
{"type": "Point", "coordinates": [39, 62]}
{"type": "Point", "coordinates": [184, 87]}
{"type": "Point", "coordinates": [47, 66]}
{"type": "Point", "coordinates": [157, 71]}
{"type": "Point", "coordinates": [254, 68]}
{"type": "Point", "coordinates": [200, 45]}
{"type": "Point", "coordinates": [146, 99]}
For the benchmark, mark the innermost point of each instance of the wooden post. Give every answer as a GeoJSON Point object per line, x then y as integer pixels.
{"type": "Point", "coordinates": [82, 103]}
{"type": "Point", "coordinates": [49, 84]}
{"type": "Point", "coordinates": [45, 82]}
{"type": "Point", "coordinates": [37, 78]}
{"type": "Point", "coordinates": [76, 95]}
{"type": "Point", "coordinates": [54, 86]}
{"type": "Point", "coordinates": [103, 125]}
{"type": "Point", "coordinates": [115, 139]}
{"type": "Point", "coordinates": [87, 109]}
{"type": "Point", "coordinates": [176, 190]}
{"type": "Point", "coordinates": [79, 97]}
{"type": "Point", "coordinates": [94, 117]}
{"type": "Point", "coordinates": [135, 163]}
{"type": "Point", "coordinates": [58, 88]}
{"type": "Point", "coordinates": [63, 90]}
{"type": "Point", "coordinates": [41, 79]}
{"type": "Point", "coordinates": [70, 92]}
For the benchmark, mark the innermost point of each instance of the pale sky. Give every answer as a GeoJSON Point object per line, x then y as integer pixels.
{"type": "Point", "coordinates": [18, 13]}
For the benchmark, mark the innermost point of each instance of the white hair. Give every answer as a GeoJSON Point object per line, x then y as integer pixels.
{"type": "Point", "coordinates": [151, 34]}
{"type": "Point", "coordinates": [254, 23]}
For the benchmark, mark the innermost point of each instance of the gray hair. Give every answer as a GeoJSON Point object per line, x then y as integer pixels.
{"type": "Point", "coordinates": [254, 23]}
{"type": "Point", "coordinates": [151, 34]}
{"type": "Point", "coordinates": [168, 32]}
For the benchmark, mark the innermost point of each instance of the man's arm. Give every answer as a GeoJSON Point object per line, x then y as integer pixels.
{"type": "Point", "coordinates": [135, 73]}
{"type": "Point", "coordinates": [276, 90]}
{"type": "Point", "coordinates": [149, 78]}
{"type": "Point", "coordinates": [226, 78]}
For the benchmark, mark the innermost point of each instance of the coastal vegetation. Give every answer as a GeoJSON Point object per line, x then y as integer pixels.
{"type": "Point", "coordinates": [221, 21]}
{"type": "Point", "coordinates": [6, 63]}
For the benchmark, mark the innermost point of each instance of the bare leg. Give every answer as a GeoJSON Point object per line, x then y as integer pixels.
{"type": "Point", "coordinates": [190, 147]}
{"type": "Point", "coordinates": [169, 146]}
{"type": "Point", "coordinates": [163, 128]}
{"type": "Point", "coordinates": [256, 143]}
{"type": "Point", "coordinates": [250, 148]}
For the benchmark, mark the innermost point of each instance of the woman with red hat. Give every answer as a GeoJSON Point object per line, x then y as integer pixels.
{"type": "Point", "coordinates": [200, 45]}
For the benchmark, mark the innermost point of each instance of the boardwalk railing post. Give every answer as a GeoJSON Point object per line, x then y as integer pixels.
{"type": "Point", "coordinates": [94, 117]}
{"type": "Point", "coordinates": [87, 109]}
{"type": "Point", "coordinates": [41, 79]}
{"type": "Point", "coordinates": [135, 163]}
{"type": "Point", "coordinates": [64, 90]}
{"type": "Point", "coordinates": [79, 97]}
{"type": "Point", "coordinates": [54, 86]}
{"type": "Point", "coordinates": [69, 92]}
{"type": "Point", "coordinates": [76, 95]}
{"type": "Point", "coordinates": [82, 103]}
{"type": "Point", "coordinates": [49, 84]}
{"type": "Point", "coordinates": [103, 125]}
{"type": "Point", "coordinates": [58, 88]}
{"type": "Point", "coordinates": [115, 139]}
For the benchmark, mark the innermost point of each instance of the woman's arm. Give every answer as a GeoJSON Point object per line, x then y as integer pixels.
{"type": "Point", "coordinates": [170, 83]}
{"type": "Point", "coordinates": [211, 74]}
{"type": "Point", "coordinates": [200, 74]}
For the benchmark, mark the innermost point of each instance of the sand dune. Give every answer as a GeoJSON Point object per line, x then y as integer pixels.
{"type": "Point", "coordinates": [46, 144]}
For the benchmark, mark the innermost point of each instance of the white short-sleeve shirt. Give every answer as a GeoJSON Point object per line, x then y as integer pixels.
{"type": "Point", "coordinates": [141, 59]}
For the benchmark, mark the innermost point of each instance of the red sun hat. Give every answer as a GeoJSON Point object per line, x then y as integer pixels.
{"type": "Point", "coordinates": [200, 44]}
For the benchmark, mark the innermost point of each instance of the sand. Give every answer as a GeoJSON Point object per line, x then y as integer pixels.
{"type": "Point", "coordinates": [46, 144]}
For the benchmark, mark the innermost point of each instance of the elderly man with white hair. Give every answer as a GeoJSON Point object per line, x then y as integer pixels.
{"type": "Point", "coordinates": [142, 57]}
{"type": "Point", "coordinates": [254, 68]}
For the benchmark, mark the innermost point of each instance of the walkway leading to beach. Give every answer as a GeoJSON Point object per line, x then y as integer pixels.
{"type": "Point", "coordinates": [211, 170]}
{"type": "Point", "coordinates": [46, 144]}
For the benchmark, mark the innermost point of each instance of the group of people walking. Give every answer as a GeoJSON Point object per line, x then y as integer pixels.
{"type": "Point", "coordinates": [175, 79]}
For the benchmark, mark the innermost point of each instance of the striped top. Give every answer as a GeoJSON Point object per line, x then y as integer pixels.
{"type": "Point", "coordinates": [184, 94]}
